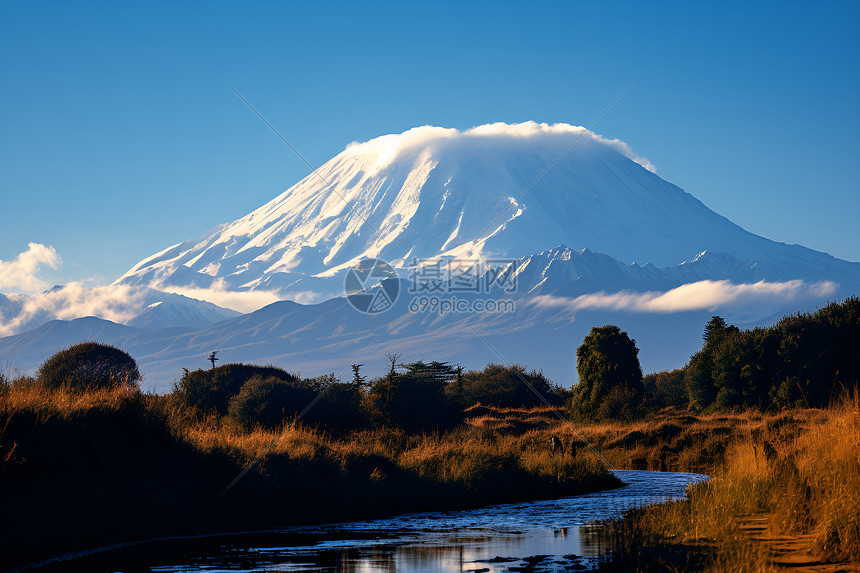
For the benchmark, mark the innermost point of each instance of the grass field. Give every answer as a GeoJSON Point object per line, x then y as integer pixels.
{"type": "Point", "coordinates": [85, 468]}
{"type": "Point", "coordinates": [79, 469]}
{"type": "Point", "coordinates": [785, 491]}
{"type": "Point", "coordinates": [785, 496]}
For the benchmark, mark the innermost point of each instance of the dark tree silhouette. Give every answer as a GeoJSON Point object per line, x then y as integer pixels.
{"type": "Point", "coordinates": [357, 378]}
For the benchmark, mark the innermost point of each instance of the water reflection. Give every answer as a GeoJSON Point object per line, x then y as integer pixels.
{"type": "Point", "coordinates": [551, 535]}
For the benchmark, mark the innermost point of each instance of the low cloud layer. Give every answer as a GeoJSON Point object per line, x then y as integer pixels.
{"type": "Point", "coordinates": [741, 300]}
{"type": "Point", "coordinates": [114, 303]}
{"type": "Point", "coordinates": [21, 274]}
{"type": "Point", "coordinates": [120, 303]}
{"type": "Point", "coordinates": [244, 301]}
{"type": "Point", "coordinates": [117, 303]}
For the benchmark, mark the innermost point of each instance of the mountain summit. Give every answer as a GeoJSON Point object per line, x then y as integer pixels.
{"type": "Point", "coordinates": [493, 191]}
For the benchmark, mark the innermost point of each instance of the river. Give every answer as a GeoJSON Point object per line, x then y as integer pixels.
{"type": "Point", "coordinates": [550, 535]}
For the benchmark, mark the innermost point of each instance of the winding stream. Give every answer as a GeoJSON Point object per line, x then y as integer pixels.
{"type": "Point", "coordinates": [550, 535]}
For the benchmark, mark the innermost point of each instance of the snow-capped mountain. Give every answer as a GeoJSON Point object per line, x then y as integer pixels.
{"type": "Point", "coordinates": [588, 231]}
{"type": "Point", "coordinates": [494, 191]}
{"type": "Point", "coordinates": [175, 310]}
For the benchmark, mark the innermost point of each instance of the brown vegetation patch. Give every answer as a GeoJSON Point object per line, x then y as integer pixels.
{"type": "Point", "coordinates": [93, 467]}
{"type": "Point", "coordinates": [784, 496]}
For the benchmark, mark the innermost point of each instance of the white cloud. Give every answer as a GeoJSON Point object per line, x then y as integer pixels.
{"type": "Point", "coordinates": [117, 303]}
{"type": "Point", "coordinates": [305, 297]}
{"type": "Point", "coordinates": [21, 273]}
{"type": "Point", "coordinates": [387, 146]}
{"type": "Point", "coordinates": [114, 303]}
{"type": "Point", "coordinates": [241, 301]}
{"type": "Point", "coordinates": [762, 298]}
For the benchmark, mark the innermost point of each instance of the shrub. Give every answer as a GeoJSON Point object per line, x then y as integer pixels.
{"type": "Point", "coordinates": [341, 407]}
{"type": "Point", "coordinates": [212, 389]}
{"type": "Point", "coordinates": [666, 388]}
{"type": "Point", "coordinates": [412, 402]}
{"type": "Point", "coordinates": [89, 365]}
{"type": "Point", "coordinates": [619, 403]}
{"type": "Point", "coordinates": [503, 387]}
{"type": "Point", "coordinates": [267, 402]}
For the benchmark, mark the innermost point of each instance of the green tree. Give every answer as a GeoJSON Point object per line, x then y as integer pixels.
{"type": "Point", "coordinates": [438, 371]}
{"type": "Point", "coordinates": [818, 355]}
{"type": "Point", "coordinates": [715, 328]}
{"type": "Point", "coordinates": [700, 374]}
{"type": "Point", "coordinates": [610, 377]}
{"type": "Point", "coordinates": [666, 388]}
{"type": "Point", "coordinates": [804, 360]}
{"type": "Point", "coordinates": [357, 379]}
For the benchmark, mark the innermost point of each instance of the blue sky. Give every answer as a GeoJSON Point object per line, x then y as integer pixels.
{"type": "Point", "coordinates": [120, 138]}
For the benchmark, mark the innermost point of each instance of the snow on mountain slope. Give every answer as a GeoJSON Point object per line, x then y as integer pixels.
{"type": "Point", "coordinates": [433, 192]}
{"type": "Point", "coordinates": [175, 310]}
{"type": "Point", "coordinates": [562, 271]}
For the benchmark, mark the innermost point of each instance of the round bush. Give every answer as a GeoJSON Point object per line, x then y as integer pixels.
{"type": "Point", "coordinates": [212, 389]}
{"type": "Point", "coordinates": [268, 402]}
{"type": "Point", "coordinates": [89, 365]}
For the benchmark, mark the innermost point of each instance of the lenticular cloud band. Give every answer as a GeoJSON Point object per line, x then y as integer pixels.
{"type": "Point", "coordinates": [702, 295]}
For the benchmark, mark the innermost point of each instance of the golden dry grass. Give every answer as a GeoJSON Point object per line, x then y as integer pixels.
{"type": "Point", "coordinates": [807, 485]}
{"type": "Point", "coordinates": [798, 472]}
{"type": "Point", "coordinates": [466, 455]}
{"type": "Point", "coordinates": [28, 396]}
{"type": "Point", "coordinates": [822, 493]}
{"type": "Point", "coordinates": [79, 468]}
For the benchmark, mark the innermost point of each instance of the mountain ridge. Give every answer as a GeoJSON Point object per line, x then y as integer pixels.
{"type": "Point", "coordinates": [549, 316]}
